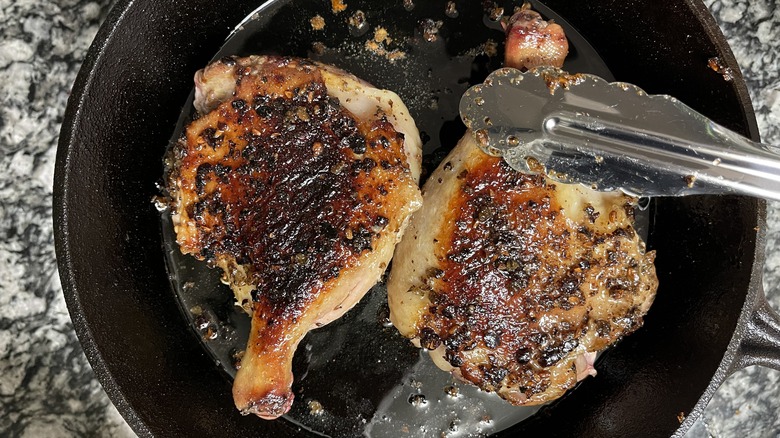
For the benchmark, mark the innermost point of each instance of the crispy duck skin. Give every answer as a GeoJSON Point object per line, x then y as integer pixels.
{"type": "Point", "coordinates": [513, 281]}
{"type": "Point", "coordinates": [297, 180]}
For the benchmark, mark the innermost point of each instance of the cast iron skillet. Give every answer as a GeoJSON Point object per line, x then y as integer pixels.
{"type": "Point", "coordinates": [710, 317]}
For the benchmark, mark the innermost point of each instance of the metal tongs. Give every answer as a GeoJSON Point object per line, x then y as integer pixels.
{"type": "Point", "coordinates": [613, 136]}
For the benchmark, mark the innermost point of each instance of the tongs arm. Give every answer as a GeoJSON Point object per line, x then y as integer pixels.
{"type": "Point", "coordinates": [727, 163]}
{"type": "Point", "coordinates": [609, 136]}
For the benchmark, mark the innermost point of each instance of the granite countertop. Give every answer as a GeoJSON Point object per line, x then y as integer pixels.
{"type": "Point", "coordinates": [47, 388]}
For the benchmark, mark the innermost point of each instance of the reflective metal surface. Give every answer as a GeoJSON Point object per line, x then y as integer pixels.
{"type": "Point", "coordinates": [610, 136]}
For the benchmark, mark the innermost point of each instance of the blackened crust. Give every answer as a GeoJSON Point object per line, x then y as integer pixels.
{"type": "Point", "coordinates": [285, 182]}
{"type": "Point", "coordinates": [513, 301]}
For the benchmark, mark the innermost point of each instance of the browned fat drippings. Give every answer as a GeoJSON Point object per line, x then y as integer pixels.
{"type": "Point", "coordinates": [358, 23]}
{"type": "Point", "coordinates": [379, 44]}
{"type": "Point", "coordinates": [281, 178]}
{"type": "Point", "coordinates": [451, 10]}
{"type": "Point", "coordinates": [556, 79]}
{"type": "Point", "coordinates": [338, 6]}
{"type": "Point", "coordinates": [317, 22]}
{"type": "Point", "coordinates": [717, 65]}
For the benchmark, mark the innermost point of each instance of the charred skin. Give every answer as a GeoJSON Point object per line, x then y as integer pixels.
{"type": "Point", "coordinates": [297, 199]}
{"type": "Point", "coordinates": [522, 278]}
{"type": "Point", "coordinates": [513, 282]}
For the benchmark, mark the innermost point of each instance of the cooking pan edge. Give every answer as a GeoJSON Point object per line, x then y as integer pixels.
{"type": "Point", "coordinates": [65, 261]}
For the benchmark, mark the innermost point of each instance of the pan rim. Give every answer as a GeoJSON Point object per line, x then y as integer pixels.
{"type": "Point", "coordinates": [62, 244]}
{"type": "Point", "coordinates": [732, 354]}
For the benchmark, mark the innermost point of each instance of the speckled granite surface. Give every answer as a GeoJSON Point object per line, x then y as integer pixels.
{"type": "Point", "coordinates": [46, 385]}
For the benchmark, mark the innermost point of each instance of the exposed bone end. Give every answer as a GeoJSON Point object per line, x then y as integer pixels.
{"type": "Point", "coordinates": [268, 407]}
{"type": "Point", "coordinates": [261, 389]}
{"type": "Point", "coordinates": [532, 42]}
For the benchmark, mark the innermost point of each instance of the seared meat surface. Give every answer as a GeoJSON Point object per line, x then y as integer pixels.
{"type": "Point", "coordinates": [509, 277]}
{"type": "Point", "coordinates": [513, 281]}
{"type": "Point", "coordinates": [297, 181]}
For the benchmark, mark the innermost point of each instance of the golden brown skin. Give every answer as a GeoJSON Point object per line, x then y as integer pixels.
{"type": "Point", "coordinates": [296, 199]}
{"type": "Point", "coordinates": [512, 281]}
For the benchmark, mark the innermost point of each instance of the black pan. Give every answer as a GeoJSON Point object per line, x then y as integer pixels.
{"type": "Point", "coordinates": [710, 317]}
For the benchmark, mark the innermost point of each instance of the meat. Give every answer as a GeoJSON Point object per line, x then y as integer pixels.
{"type": "Point", "coordinates": [533, 42]}
{"type": "Point", "coordinates": [513, 281]}
{"type": "Point", "coordinates": [297, 180]}
{"type": "Point", "coordinates": [508, 278]}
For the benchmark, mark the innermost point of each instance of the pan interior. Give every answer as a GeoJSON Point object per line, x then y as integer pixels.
{"type": "Point", "coordinates": [357, 375]}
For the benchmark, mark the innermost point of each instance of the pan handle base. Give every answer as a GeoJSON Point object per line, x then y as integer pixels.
{"type": "Point", "coordinates": [760, 344]}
